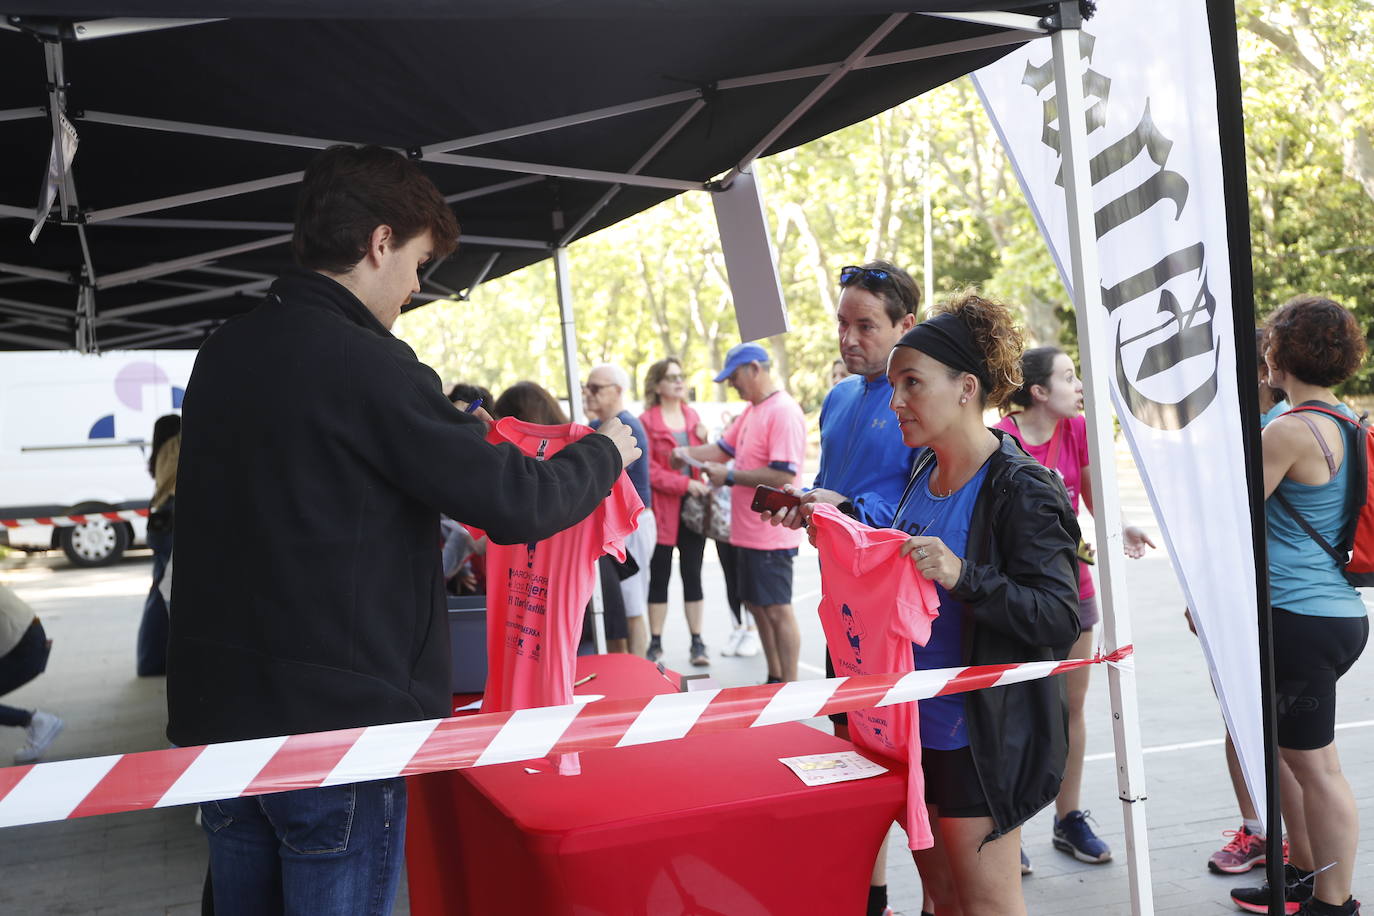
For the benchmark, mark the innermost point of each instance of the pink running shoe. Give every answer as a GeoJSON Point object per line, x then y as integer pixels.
{"type": "Point", "coordinates": [1244, 852]}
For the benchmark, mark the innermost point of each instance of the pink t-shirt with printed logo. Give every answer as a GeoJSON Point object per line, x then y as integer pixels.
{"type": "Point", "coordinates": [537, 593]}
{"type": "Point", "coordinates": [874, 605]}
{"type": "Point", "coordinates": [771, 433]}
{"type": "Point", "coordinates": [1069, 462]}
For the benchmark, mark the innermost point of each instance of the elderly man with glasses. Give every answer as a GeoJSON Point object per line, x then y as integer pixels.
{"type": "Point", "coordinates": [603, 397]}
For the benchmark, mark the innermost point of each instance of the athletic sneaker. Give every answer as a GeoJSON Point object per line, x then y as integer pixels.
{"type": "Point", "coordinates": [1244, 851]}
{"type": "Point", "coordinates": [1351, 908]}
{"type": "Point", "coordinates": [42, 730]}
{"type": "Point", "coordinates": [748, 645]}
{"type": "Point", "coordinates": [655, 651]}
{"type": "Point", "coordinates": [698, 654]}
{"type": "Point", "coordinates": [732, 643]}
{"type": "Point", "coordinates": [1297, 887]}
{"type": "Point", "coordinates": [1074, 836]}
{"type": "Point", "coordinates": [1025, 863]}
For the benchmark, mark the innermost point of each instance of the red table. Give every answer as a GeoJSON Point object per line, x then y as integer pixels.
{"type": "Point", "coordinates": [712, 824]}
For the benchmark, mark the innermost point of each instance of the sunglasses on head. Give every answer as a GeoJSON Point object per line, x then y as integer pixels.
{"type": "Point", "coordinates": [868, 277]}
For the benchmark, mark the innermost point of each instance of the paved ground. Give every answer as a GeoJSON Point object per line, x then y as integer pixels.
{"type": "Point", "coordinates": [153, 862]}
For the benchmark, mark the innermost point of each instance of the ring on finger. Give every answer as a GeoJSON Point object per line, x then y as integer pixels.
{"type": "Point", "coordinates": [921, 552]}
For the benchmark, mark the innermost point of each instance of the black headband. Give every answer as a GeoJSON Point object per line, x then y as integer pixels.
{"type": "Point", "coordinates": [945, 337]}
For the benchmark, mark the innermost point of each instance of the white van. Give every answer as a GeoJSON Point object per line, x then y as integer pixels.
{"type": "Point", "coordinates": [74, 438]}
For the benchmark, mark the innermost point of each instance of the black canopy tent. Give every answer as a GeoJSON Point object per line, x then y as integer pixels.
{"type": "Point", "coordinates": [541, 121]}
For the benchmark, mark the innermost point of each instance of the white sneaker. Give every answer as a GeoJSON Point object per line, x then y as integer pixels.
{"type": "Point", "coordinates": [749, 645]}
{"type": "Point", "coordinates": [733, 641]}
{"type": "Point", "coordinates": [42, 730]}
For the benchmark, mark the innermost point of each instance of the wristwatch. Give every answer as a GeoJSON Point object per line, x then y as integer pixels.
{"type": "Point", "coordinates": [730, 477]}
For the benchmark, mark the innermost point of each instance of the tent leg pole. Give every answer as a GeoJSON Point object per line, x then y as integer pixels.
{"type": "Point", "coordinates": [563, 281]}
{"type": "Point", "coordinates": [1095, 354]}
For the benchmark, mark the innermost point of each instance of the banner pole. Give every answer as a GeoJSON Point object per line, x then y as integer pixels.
{"type": "Point", "coordinates": [1093, 353]}
{"type": "Point", "coordinates": [1221, 23]}
{"type": "Point", "coordinates": [562, 277]}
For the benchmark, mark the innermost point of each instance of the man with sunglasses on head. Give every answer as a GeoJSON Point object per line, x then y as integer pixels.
{"type": "Point", "coordinates": [863, 459]}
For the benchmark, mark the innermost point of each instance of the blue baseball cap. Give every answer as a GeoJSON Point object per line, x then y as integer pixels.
{"type": "Point", "coordinates": [740, 355]}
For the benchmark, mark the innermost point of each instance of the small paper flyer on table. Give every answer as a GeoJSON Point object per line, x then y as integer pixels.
{"type": "Point", "coordinates": [826, 769]}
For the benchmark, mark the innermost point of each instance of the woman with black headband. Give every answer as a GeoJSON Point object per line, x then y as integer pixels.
{"type": "Point", "coordinates": [992, 528]}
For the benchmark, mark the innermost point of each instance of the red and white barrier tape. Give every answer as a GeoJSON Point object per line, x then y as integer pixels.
{"type": "Point", "coordinates": [179, 776]}
{"type": "Point", "coordinates": [67, 521]}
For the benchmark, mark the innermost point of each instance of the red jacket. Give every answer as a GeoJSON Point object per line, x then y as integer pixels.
{"type": "Point", "coordinates": [668, 483]}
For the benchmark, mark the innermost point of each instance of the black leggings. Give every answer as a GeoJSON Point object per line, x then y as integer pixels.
{"type": "Point", "coordinates": [690, 547]}
{"type": "Point", "coordinates": [729, 569]}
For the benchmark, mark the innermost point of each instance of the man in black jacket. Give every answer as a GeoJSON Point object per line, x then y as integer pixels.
{"type": "Point", "coordinates": [317, 454]}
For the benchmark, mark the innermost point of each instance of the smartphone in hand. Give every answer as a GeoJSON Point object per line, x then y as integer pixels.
{"type": "Point", "coordinates": [771, 499]}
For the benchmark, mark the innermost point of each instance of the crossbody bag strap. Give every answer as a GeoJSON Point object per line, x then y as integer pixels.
{"type": "Point", "coordinates": [1056, 443]}
{"type": "Point", "coordinates": [1307, 528]}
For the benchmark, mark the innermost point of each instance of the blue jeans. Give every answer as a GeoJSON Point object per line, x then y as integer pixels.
{"type": "Point", "coordinates": [151, 653]}
{"type": "Point", "coordinates": [313, 852]}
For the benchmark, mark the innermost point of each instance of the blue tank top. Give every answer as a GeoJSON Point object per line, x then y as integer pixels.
{"type": "Point", "coordinates": [944, 724]}
{"type": "Point", "coordinates": [1302, 576]}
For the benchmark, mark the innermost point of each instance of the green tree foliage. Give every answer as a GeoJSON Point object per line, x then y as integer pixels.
{"type": "Point", "coordinates": [656, 283]}
{"type": "Point", "coordinates": [1309, 115]}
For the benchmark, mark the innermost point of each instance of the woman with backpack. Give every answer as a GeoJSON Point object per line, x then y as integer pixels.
{"type": "Point", "coordinates": [1313, 456]}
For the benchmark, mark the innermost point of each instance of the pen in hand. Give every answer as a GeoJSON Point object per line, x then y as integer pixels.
{"type": "Point", "coordinates": [472, 408]}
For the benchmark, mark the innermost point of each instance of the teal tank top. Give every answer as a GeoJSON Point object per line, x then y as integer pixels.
{"type": "Point", "coordinates": [1302, 576]}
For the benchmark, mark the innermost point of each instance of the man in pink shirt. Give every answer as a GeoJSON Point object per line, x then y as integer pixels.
{"type": "Point", "coordinates": [767, 444]}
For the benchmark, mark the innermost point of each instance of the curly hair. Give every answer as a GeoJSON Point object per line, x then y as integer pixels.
{"type": "Point", "coordinates": [654, 376]}
{"type": "Point", "coordinates": [997, 336]}
{"type": "Point", "coordinates": [1316, 340]}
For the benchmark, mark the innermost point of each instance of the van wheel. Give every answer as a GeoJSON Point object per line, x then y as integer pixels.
{"type": "Point", "coordinates": [99, 542]}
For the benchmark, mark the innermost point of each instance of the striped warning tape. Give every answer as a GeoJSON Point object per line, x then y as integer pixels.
{"type": "Point", "coordinates": [179, 776]}
{"type": "Point", "coordinates": [67, 521]}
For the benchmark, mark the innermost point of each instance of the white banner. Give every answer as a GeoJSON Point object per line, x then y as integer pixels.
{"type": "Point", "coordinates": [1166, 288]}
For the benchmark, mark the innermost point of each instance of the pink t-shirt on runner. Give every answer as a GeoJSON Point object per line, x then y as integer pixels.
{"type": "Point", "coordinates": [771, 433]}
{"type": "Point", "coordinates": [1069, 464]}
{"type": "Point", "coordinates": [537, 593]}
{"type": "Point", "coordinates": [874, 605]}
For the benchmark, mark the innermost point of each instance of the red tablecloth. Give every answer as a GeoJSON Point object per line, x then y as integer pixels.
{"type": "Point", "coordinates": [712, 824]}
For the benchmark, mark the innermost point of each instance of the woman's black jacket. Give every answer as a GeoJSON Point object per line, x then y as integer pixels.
{"type": "Point", "coordinates": [1019, 584]}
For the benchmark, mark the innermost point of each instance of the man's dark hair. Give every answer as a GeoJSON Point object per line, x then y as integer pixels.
{"type": "Point", "coordinates": [470, 393]}
{"type": "Point", "coordinates": [348, 191]}
{"type": "Point", "coordinates": [900, 294]}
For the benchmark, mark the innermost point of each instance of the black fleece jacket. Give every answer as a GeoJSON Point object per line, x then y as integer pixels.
{"type": "Point", "coordinates": [317, 453]}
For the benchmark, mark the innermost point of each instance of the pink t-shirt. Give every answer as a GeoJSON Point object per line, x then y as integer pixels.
{"type": "Point", "coordinates": [537, 593]}
{"type": "Point", "coordinates": [874, 605]}
{"type": "Point", "coordinates": [771, 433]}
{"type": "Point", "coordinates": [1072, 434]}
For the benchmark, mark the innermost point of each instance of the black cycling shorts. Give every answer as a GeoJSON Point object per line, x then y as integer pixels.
{"type": "Point", "coordinates": [952, 783]}
{"type": "Point", "coordinates": [1310, 654]}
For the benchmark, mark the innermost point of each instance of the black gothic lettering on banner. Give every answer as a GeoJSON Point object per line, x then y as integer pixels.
{"type": "Point", "coordinates": [1190, 330]}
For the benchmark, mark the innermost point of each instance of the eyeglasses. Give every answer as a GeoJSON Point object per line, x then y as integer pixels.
{"type": "Point", "coordinates": [594, 390]}
{"type": "Point", "coordinates": [867, 277]}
